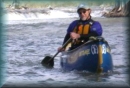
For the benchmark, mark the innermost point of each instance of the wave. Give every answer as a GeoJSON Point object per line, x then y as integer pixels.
{"type": "Point", "coordinates": [11, 16]}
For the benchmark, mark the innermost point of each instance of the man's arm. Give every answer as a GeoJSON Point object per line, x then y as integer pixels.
{"type": "Point", "coordinates": [67, 36]}
{"type": "Point", "coordinates": [69, 30]}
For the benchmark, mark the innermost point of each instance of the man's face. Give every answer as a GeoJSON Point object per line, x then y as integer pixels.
{"type": "Point", "coordinates": [84, 14]}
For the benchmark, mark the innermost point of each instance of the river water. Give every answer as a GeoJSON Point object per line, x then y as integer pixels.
{"type": "Point", "coordinates": [26, 44]}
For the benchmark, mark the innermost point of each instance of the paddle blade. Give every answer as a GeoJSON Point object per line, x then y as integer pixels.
{"type": "Point", "coordinates": [48, 62]}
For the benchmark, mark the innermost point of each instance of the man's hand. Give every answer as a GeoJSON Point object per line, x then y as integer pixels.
{"type": "Point", "coordinates": [74, 35]}
{"type": "Point", "coordinates": [60, 49]}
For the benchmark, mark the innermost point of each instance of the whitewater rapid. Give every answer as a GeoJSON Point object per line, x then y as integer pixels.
{"type": "Point", "coordinates": [42, 15]}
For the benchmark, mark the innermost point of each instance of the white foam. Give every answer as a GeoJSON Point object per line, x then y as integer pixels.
{"type": "Point", "coordinates": [15, 17]}
{"type": "Point", "coordinates": [38, 15]}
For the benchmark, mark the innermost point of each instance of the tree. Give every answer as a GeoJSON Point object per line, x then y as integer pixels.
{"type": "Point", "coordinates": [15, 4]}
{"type": "Point", "coordinates": [121, 9]}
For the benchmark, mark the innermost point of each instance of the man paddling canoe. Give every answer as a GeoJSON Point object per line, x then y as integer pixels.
{"type": "Point", "coordinates": [78, 33]}
{"type": "Point", "coordinates": [80, 30]}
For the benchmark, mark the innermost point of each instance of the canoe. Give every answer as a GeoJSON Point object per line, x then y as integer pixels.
{"type": "Point", "coordinates": [92, 56]}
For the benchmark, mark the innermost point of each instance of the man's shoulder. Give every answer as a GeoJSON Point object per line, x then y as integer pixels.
{"type": "Point", "coordinates": [75, 22]}
{"type": "Point", "coordinates": [95, 22]}
{"type": "Point", "coordinates": [72, 25]}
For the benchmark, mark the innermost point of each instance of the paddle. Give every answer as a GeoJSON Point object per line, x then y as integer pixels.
{"type": "Point", "coordinates": [48, 61]}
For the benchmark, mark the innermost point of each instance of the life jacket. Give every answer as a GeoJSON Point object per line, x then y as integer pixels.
{"type": "Point", "coordinates": [82, 29]}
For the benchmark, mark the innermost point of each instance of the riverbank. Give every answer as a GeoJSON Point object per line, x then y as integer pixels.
{"type": "Point", "coordinates": [55, 3]}
{"type": "Point", "coordinates": [46, 6]}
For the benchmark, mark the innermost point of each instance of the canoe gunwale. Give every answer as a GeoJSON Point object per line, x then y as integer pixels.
{"type": "Point", "coordinates": [91, 40]}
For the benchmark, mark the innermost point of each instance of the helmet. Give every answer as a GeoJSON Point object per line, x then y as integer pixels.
{"type": "Point", "coordinates": [81, 6]}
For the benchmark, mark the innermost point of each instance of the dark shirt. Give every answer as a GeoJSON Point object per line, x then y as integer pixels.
{"type": "Point", "coordinates": [95, 29]}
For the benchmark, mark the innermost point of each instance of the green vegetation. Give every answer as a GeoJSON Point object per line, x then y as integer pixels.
{"type": "Point", "coordinates": [57, 3]}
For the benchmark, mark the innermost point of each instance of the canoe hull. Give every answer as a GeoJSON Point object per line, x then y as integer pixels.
{"type": "Point", "coordinates": [92, 56]}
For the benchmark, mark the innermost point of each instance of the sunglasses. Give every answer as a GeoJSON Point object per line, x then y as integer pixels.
{"type": "Point", "coordinates": [82, 11]}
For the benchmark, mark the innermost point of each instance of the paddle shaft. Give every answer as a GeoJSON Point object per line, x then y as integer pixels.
{"type": "Point", "coordinates": [61, 48]}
